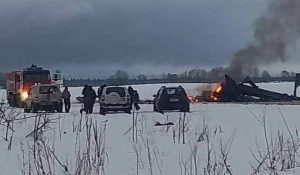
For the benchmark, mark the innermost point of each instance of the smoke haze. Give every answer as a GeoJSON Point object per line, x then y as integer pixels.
{"type": "Point", "coordinates": [274, 32]}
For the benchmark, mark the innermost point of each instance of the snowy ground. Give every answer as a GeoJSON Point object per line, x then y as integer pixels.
{"type": "Point", "coordinates": [155, 143]}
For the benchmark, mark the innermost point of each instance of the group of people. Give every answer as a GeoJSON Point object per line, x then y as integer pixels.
{"type": "Point", "coordinates": [89, 98]}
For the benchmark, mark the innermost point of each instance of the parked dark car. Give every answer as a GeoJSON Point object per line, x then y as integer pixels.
{"type": "Point", "coordinates": [171, 98]}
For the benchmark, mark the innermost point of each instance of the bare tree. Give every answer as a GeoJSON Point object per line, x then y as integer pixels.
{"type": "Point", "coordinates": [282, 152]}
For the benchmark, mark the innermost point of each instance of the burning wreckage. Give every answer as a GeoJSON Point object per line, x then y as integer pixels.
{"type": "Point", "coordinates": [246, 91]}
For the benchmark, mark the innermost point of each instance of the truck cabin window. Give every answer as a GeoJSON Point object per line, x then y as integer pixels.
{"type": "Point", "coordinates": [18, 78]}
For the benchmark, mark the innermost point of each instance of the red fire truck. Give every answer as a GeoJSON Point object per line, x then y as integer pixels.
{"type": "Point", "coordinates": [18, 83]}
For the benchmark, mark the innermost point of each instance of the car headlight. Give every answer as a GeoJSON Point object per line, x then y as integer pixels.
{"type": "Point", "coordinates": [24, 95]}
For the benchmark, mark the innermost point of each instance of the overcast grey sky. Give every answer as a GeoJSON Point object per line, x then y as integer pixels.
{"type": "Point", "coordinates": [90, 38]}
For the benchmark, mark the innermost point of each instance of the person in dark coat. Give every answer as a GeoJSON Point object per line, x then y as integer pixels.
{"type": "Point", "coordinates": [91, 98]}
{"type": "Point", "coordinates": [66, 95]}
{"type": "Point", "coordinates": [136, 100]}
{"type": "Point", "coordinates": [100, 90]}
{"type": "Point", "coordinates": [130, 91]}
{"type": "Point", "coordinates": [84, 93]}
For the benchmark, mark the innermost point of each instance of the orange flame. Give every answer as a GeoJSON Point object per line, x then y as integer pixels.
{"type": "Point", "coordinates": [193, 99]}
{"type": "Point", "coordinates": [219, 89]}
{"type": "Point", "coordinates": [216, 92]}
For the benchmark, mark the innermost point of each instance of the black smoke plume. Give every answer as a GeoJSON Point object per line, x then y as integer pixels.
{"type": "Point", "coordinates": [274, 32]}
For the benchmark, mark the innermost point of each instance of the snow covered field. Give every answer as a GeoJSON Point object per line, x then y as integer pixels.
{"type": "Point", "coordinates": [180, 149]}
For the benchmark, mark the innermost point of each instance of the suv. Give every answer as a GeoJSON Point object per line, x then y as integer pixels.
{"type": "Point", "coordinates": [43, 97]}
{"type": "Point", "coordinates": [115, 98]}
{"type": "Point", "coordinates": [171, 98]}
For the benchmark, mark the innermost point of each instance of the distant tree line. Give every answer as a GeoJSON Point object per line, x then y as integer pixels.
{"type": "Point", "coordinates": [122, 77]}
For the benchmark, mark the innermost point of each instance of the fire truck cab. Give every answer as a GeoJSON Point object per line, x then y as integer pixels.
{"type": "Point", "coordinates": [18, 83]}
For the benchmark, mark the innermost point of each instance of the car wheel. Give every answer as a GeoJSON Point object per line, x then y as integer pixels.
{"type": "Point", "coordinates": [186, 108]}
{"type": "Point", "coordinates": [53, 107]}
{"type": "Point", "coordinates": [158, 109]}
{"type": "Point", "coordinates": [59, 107]}
{"type": "Point", "coordinates": [33, 108]}
{"type": "Point", "coordinates": [128, 111]}
{"type": "Point", "coordinates": [102, 111]}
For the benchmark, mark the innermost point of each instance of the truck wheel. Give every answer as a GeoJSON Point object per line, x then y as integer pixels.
{"type": "Point", "coordinates": [19, 103]}
{"type": "Point", "coordinates": [9, 101]}
{"type": "Point", "coordinates": [26, 110]}
{"type": "Point", "coordinates": [12, 100]}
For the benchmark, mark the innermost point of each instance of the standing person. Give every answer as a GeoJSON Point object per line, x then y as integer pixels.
{"type": "Point", "coordinates": [94, 99]}
{"type": "Point", "coordinates": [100, 90]}
{"type": "Point", "coordinates": [67, 99]}
{"type": "Point", "coordinates": [91, 98]}
{"type": "Point", "coordinates": [84, 93]}
{"type": "Point", "coordinates": [136, 100]}
{"type": "Point", "coordinates": [130, 91]}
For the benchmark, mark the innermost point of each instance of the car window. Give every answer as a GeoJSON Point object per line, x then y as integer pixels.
{"type": "Point", "coordinates": [171, 91]}
{"type": "Point", "coordinates": [47, 89]}
{"type": "Point", "coordinates": [119, 90]}
{"type": "Point", "coordinates": [175, 91]}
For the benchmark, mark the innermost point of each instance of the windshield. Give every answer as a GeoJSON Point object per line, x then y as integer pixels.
{"type": "Point", "coordinates": [175, 91]}
{"type": "Point", "coordinates": [37, 77]}
{"type": "Point", "coordinates": [171, 91]}
{"type": "Point", "coordinates": [47, 89]}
